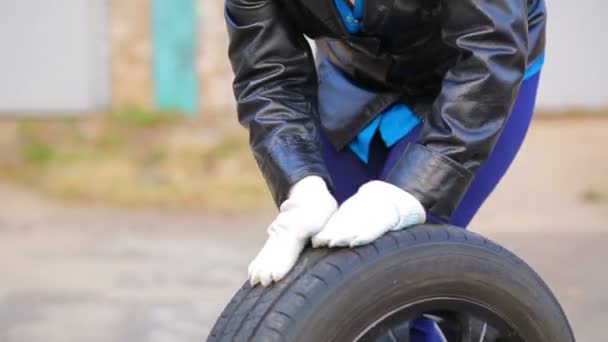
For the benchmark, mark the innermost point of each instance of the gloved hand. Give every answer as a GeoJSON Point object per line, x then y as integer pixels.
{"type": "Point", "coordinates": [376, 208]}
{"type": "Point", "coordinates": [303, 214]}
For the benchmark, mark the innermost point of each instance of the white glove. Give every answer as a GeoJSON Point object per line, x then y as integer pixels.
{"type": "Point", "coordinates": [376, 208]}
{"type": "Point", "coordinates": [303, 214]}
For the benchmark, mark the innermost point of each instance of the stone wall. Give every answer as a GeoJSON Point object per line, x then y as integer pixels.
{"type": "Point", "coordinates": [131, 56]}
{"type": "Point", "coordinates": [130, 53]}
{"type": "Point", "coordinates": [215, 72]}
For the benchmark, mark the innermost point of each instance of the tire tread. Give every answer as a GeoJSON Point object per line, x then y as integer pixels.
{"type": "Point", "coordinates": [266, 314]}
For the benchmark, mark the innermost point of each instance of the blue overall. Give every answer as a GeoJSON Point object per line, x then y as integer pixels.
{"type": "Point", "coordinates": [374, 152]}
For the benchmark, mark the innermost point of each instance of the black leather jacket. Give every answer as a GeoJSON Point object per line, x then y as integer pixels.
{"type": "Point", "coordinates": [457, 64]}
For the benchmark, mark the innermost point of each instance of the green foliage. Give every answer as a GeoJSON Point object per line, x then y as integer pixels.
{"type": "Point", "coordinates": [138, 117]}
{"type": "Point", "coordinates": [41, 154]}
{"type": "Point", "coordinates": [229, 145]}
{"type": "Point", "coordinates": [594, 196]}
{"type": "Point", "coordinates": [136, 157]}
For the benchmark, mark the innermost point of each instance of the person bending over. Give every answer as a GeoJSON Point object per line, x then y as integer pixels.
{"type": "Point", "coordinates": [410, 111]}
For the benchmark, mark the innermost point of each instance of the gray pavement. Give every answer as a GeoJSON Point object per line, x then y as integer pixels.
{"type": "Point", "coordinates": [71, 272]}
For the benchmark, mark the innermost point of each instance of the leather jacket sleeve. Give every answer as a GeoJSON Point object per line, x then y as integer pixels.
{"type": "Point", "coordinates": [476, 97]}
{"type": "Point", "coordinates": [275, 87]}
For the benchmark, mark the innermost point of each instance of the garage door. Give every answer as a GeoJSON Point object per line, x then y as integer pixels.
{"type": "Point", "coordinates": [53, 56]}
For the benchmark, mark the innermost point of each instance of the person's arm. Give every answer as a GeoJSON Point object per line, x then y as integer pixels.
{"type": "Point", "coordinates": [475, 101]}
{"type": "Point", "coordinates": [275, 86]}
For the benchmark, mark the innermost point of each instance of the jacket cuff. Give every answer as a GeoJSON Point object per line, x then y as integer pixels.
{"type": "Point", "coordinates": [438, 182]}
{"type": "Point", "coordinates": [285, 164]}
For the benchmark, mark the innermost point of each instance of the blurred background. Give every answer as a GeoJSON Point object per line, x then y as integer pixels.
{"type": "Point", "coordinates": [131, 205]}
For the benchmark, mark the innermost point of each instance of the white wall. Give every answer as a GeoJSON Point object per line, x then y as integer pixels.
{"type": "Point", "coordinates": [53, 56]}
{"type": "Point", "coordinates": [576, 69]}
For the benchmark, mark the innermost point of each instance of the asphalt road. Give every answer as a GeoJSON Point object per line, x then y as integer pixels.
{"type": "Point", "coordinates": [151, 277]}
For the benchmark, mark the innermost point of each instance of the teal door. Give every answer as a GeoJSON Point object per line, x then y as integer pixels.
{"type": "Point", "coordinates": [174, 25]}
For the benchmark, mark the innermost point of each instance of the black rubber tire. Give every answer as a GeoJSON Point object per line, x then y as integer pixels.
{"type": "Point", "coordinates": [332, 295]}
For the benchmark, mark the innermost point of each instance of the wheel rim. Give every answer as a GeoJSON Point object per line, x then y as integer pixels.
{"type": "Point", "coordinates": [456, 319]}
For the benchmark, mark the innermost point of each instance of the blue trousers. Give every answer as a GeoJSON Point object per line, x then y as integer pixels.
{"type": "Point", "coordinates": [349, 173]}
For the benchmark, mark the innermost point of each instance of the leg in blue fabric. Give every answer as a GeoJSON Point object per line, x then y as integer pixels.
{"type": "Point", "coordinates": [492, 171]}
{"type": "Point", "coordinates": [347, 171]}
{"type": "Point", "coordinates": [398, 149]}
{"type": "Point", "coordinates": [486, 178]}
